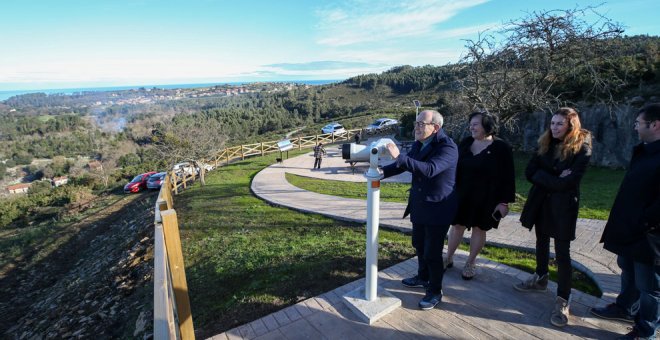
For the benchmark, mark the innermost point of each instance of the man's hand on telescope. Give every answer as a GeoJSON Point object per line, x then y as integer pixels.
{"type": "Point", "coordinates": [393, 150]}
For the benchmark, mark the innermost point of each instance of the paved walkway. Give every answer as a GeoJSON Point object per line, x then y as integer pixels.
{"type": "Point", "coordinates": [495, 311]}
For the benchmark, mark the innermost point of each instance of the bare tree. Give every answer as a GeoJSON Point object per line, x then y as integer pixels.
{"type": "Point", "coordinates": [193, 138]}
{"type": "Point", "coordinates": [105, 164]}
{"type": "Point", "coordinates": [530, 64]}
{"type": "Point", "coordinates": [104, 170]}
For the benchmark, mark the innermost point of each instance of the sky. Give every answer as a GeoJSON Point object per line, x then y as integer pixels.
{"type": "Point", "coordinates": [48, 44]}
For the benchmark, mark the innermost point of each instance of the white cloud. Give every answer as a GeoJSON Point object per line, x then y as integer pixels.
{"type": "Point", "coordinates": [118, 70]}
{"type": "Point", "coordinates": [370, 21]}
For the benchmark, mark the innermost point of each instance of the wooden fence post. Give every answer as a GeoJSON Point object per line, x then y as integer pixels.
{"type": "Point", "coordinates": [227, 154]}
{"type": "Point", "coordinates": [242, 154]}
{"type": "Point", "coordinates": [299, 144]}
{"type": "Point", "coordinates": [176, 184]}
{"type": "Point", "coordinates": [178, 271]}
{"type": "Point", "coordinates": [262, 149]}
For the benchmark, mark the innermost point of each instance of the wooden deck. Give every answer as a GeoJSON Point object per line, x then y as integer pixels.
{"type": "Point", "coordinates": [486, 307]}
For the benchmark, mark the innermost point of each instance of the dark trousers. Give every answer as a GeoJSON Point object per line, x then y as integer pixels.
{"type": "Point", "coordinates": [640, 293]}
{"type": "Point", "coordinates": [563, 258]}
{"type": "Point", "coordinates": [428, 241]}
{"type": "Point", "coordinates": [317, 163]}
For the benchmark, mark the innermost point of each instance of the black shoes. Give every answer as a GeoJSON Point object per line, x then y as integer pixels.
{"type": "Point", "coordinates": [415, 282]}
{"type": "Point", "coordinates": [613, 312]}
{"type": "Point", "coordinates": [430, 300]}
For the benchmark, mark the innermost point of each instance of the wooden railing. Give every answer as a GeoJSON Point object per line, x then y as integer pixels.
{"type": "Point", "coordinates": [230, 154]}
{"type": "Point", "coordinates": [172, 315]}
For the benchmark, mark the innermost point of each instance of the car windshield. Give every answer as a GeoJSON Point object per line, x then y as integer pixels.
{"type": "Point", "coordinates": [137, 178]}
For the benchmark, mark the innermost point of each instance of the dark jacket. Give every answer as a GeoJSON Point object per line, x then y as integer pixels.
{"type": "Point", "coordinates": [432, 200]}
{"type": "Point", "coordinates": [636, 208]}
{"type": "Point", "coordinates": [482, 182]}
{"type": "Point", "coordinates": [553, 202]}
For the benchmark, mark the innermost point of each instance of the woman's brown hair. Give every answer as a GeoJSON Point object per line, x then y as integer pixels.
{"type": "Point", "coordinates": [575, 137]}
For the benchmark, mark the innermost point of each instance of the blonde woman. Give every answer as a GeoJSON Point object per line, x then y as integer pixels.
{"type": "Point", "coordinates": [553, 202]}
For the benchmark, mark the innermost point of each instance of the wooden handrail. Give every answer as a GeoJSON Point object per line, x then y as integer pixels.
{"type": "Point", "coordinates": [171, 300]}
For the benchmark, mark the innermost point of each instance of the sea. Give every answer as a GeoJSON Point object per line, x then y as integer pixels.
{"type": "Point", "coordinates": [8, 94]}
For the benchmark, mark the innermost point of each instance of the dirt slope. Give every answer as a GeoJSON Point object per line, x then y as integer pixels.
{"type": "Point", "coordinates": [97, 284]}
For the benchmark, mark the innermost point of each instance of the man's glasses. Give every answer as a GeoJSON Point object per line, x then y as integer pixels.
{"type": "Point", "coordinates": [422, 124]}
{"type": "Point", "coordinates": [647, 122]}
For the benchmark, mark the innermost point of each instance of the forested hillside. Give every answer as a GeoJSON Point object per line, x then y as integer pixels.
{"type": "Point", "coordinates": [128, 132]}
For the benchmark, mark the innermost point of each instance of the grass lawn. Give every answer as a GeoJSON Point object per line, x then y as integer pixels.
{"type": "Point", "coordinates": [599, 187]}
{"type": "Point", "coordinates": [246, 259]}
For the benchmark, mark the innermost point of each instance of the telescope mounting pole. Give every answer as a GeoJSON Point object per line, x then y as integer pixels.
{"type": "Point", "coordinates": [373, 216]}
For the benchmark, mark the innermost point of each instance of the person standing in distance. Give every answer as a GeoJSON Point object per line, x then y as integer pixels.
{"type": "Point", "coordinates": [632, 233]}
{"type": "Point", "coordinates": [319, 151]}
{"type": "Point", "coordinates": [485, 184]}
{"type": "Point", "coordinates": [553, 203]}
{"type": "Point", "coordinates": [432, 201]}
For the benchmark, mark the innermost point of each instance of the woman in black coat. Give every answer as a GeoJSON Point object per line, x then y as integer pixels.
{"type": "Point", "coordinates": [553, 202]}
{"type": "Point", "coordinates": [485, 184]}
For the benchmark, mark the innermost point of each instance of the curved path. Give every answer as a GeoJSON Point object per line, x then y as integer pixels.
{"type": "Point", "coordinates": [496, 311]}
{"type": "Point", "coordinates": [271, 185]}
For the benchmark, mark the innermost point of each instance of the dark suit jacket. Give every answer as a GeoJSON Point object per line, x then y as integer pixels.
{"type": "Point", "coordinates": [432, 199]}
{"type": "Point", "coordinates": [636, 209]}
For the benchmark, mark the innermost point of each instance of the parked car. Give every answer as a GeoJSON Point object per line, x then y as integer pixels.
{"type": "Point", "coordinates": [156, 180]}
{"type": "Point", "coordinates": [334, 128]}
{"type": "Point", "coordinates": [185, 168]}
{"type": "Point", "coordinates": [207, 167]}
{"type": "Point", "coordinates": [138, 183]}
{"type": "Point", "coordinates": [381, 123]}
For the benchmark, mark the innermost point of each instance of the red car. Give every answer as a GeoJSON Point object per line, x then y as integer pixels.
{"type": "Point", "coordinates": [138, 183]}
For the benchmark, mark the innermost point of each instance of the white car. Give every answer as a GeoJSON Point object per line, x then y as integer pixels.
{"type": "Point", "coordinates": [334, 128]}
{"type": "Point", "coordinates": [185, 168]}
{"type": "Point", "coordinates": [381, 123]}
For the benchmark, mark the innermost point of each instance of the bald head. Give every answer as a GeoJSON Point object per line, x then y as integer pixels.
{"type": "Point", "coordinates": [432, 116]}
{"type": "Point", "coordinates": [427, 123]}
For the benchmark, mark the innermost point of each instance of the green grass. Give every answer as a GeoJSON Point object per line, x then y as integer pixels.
{"type": "Point", "coordinates": [245, 259]}
{"type": "Point", "coordinates": [27, 244]}
{"type": "Point", "coordinates": [599, 187]}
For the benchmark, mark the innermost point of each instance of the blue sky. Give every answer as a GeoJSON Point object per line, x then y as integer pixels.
{"type": "Point", "coordinates": [85, 43]}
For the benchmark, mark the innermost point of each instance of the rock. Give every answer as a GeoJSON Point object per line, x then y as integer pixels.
{"type": "Point", "coordinates": [140, 324]}
{"type": "Point", "coordinates": [637, 100]}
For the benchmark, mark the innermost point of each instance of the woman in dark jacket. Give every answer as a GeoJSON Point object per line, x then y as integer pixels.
{"type": "Point", "coordinates": [553, 202]}
{"type": "Point", "coordinates": [485, 184]}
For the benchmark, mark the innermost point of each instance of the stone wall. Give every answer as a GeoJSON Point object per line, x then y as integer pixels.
{"type": "Point", "coordinates": [613, 132]}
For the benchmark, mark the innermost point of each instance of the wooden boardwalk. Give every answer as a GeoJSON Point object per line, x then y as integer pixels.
{"type": "Point", "coordinates": [486, 307]}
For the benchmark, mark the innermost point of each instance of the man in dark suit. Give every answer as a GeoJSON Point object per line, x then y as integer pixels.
{"type": "Point", "coordinates": [633, 233]}
{"type": "Point", "coordinates": [432, 202]}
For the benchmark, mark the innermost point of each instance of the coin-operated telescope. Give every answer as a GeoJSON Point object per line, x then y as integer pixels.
{"type": "Point", "coordinates": [371, 153]}
{"type": "Point", "coordinates": [367, 153]}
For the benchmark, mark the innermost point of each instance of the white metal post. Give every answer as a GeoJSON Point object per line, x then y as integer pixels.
{"type": "Point", "coordinates": [373, 211]}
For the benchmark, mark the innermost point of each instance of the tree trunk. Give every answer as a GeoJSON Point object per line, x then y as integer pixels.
{"type": "Point", "coordinates": [202, 176]}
